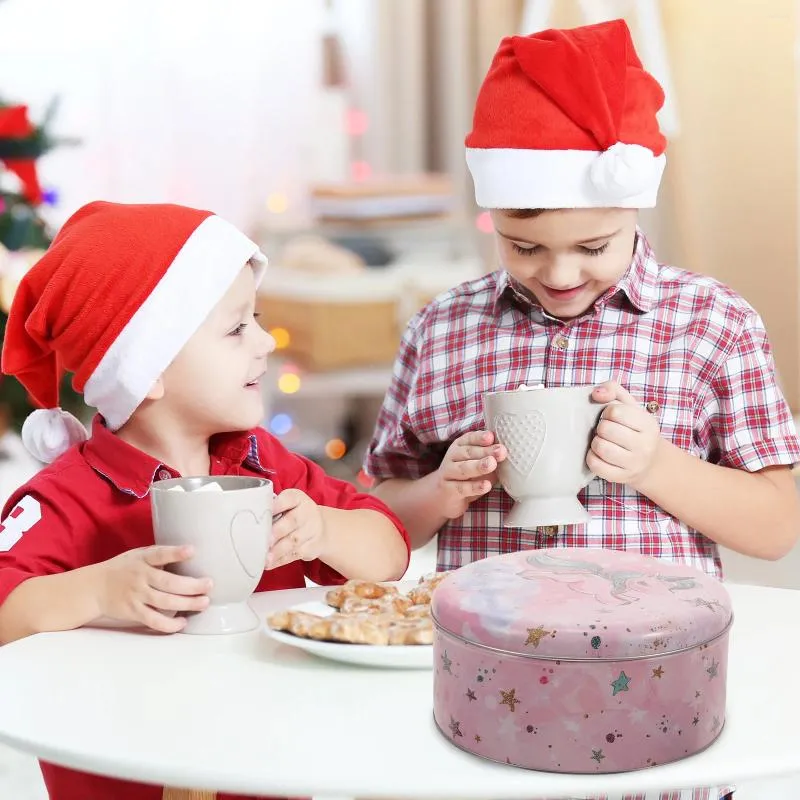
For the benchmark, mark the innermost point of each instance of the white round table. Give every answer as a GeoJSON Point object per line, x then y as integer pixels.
{"type": "Point", "coordinates": [245, 714]}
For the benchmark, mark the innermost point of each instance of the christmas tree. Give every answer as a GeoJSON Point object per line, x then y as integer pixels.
{"type": "Point", "coordinates": [24, 234]}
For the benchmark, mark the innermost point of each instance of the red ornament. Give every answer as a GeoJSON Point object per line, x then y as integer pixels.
{"type": "Point", "coordinates": [14, 124]}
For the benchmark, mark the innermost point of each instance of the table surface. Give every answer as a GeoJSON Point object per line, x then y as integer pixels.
{"type": "Point", "coordinates": [245, 714]}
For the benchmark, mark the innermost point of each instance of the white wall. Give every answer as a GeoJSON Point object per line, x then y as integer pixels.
{"type": "Point", "coordinates": [202, 102]}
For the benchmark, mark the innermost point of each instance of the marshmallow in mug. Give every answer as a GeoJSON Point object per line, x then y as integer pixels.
{"type": "Point", "coordinates": [523, 387]}
{"type": "Point", "coordinates": [206, 487]}
{"type": "Point", "coordinates": [214, 487]}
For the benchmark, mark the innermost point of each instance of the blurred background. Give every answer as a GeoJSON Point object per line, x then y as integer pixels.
{"type": "Point", "coordinates": [332, 133]}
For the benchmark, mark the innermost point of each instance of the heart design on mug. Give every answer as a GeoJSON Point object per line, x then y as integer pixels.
{"type": "Point", "coordinates": [523, 436]}
{"type": "Point", "coordinates": [249, 540]}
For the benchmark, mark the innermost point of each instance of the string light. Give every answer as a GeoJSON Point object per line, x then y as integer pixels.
{"type": "Point", "coordinates": [281, 424]}
{"type": "Point", "coordinates": [289, 383]}
{"type": "Point", "coordinates": [335, 449]}
{"type": "Point", "coordinates": [364, 480]}
{"type": "Point", "coordinates": [50, 197]}
{"type": "Point", "coordinates": [357, 122]}
{"type": "Point", "coordinates": [277, 203]}
{"type": "Point", "coordinates": [281, 337]}
{"type": "Point", "coordinates": [361, 170]}
{"type": "Point", "coordinates": [483, 222]}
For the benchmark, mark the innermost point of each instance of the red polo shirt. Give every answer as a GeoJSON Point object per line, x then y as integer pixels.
{"type": "Point", "coordinates": [92, 504]}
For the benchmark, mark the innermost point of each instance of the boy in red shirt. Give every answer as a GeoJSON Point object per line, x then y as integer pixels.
{"type": "Point", "coordinates": [152, 307]}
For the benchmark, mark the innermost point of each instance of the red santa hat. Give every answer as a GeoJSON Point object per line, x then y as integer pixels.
{"type": "Point", "coordinates": [115, 298]}
{"type": "Point", "coordinates": [567, 119]}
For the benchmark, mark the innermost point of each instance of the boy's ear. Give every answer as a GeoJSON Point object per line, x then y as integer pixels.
{"type": "Point", "coordinates": [156, 390]}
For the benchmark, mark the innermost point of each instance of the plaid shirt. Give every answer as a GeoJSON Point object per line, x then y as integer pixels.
{"type": "Point", "coordinates": [689, 349]}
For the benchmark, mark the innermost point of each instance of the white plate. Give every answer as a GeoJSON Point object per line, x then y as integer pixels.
{"type": "Point", "coordinates": [412, 656]}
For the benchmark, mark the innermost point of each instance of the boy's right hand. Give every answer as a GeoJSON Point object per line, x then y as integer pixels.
{"type": "Point", "coordinates": [134, 585]}
{"type": "Point", "coordinates": [467, 471]}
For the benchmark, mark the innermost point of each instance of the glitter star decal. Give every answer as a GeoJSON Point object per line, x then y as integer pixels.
{"type": "Point", "coordinates": [695, 720]}
{"type": "Point", "coordinates": [477, 738]}
{"type": "Point", "coordinates": [658, 672]}
{"type": "Point", "coordinates": [620, 684]}
{"type": "Point", "coordinates": [471, 695]}
{"type": "Point", "coordinates": [446, 663]}
{"type": "Point", "coordinates": [509, 699]}
{"type": "Point", "coordinates": [535, 635]}
{"type": "Point", "coordinates": [712, 670]}
{"type": "Point", "coordinates": [455, 727]}
{"type": "Point", "coordinates": [716, 724]}
{"type": "Point", "coordinates": [597, 755]}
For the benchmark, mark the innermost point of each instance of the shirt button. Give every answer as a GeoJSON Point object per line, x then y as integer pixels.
{"type": "Point", "coordinates": [561, 342]}
{"type": "Point", "coordinates": [548, 530]}
{"type": "Point", "coordinates": [164, 475]}
{"type": "Point", "coordinates": [652, 407]}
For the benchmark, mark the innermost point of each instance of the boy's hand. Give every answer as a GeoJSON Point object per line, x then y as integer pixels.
{"type": "Point", "coordinates": [468, 471]}
{"type": "Point", "coordinates": [299, 533]}
{"type": "Point", "coordinates": [627, 439]}
{"type": "Point", "coordinates": [134, 587]}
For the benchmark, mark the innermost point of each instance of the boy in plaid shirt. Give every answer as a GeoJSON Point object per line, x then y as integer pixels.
{"type": "Point", "coordinates": [698, 451]}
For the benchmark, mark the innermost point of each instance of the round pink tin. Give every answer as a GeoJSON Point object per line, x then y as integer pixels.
{"type": "Point", "coordinates": [574, 660]}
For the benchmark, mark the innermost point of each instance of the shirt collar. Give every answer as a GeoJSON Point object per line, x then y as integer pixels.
{"type": "Point", "coordinates": [639, 283]}
{"type": "Point", "coordinates": [132, 471]}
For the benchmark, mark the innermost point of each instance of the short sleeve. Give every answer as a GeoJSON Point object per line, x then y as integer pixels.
{"type": "Point", "coordinates": [395, 450]}
{"type": "Point", "coordinates": [294, 471]}
{"type": "Point", "coordinates": [35, 539]}
{"type": "Point", "coordinates": [745, 421]}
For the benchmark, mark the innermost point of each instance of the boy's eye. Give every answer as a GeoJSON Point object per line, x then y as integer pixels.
{"type": "Point", "coordinates": [529, 251]}
{"type": "Point", "coordinates": [525, 251]}
{"type": "Point", "coordinates": [595, 251]}
{"type": "Point", "coordinates": [239, 329]}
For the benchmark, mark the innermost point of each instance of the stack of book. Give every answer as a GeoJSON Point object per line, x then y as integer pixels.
{"type": "Point", "coordinates": [383, 201]}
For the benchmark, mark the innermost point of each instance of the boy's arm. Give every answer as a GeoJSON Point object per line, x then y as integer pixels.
{"type": "Point", "coordinates": [403, 467]}
{"type": "Point", "coordinates": [36, 541]}
{"type": "Point", "coordinates": [418, 503]}
{"type": "Point", "coordinates": [363, 543]}
{"type": "Point", "coordinates": [365, 539]}
{"type": "Point", "coordinates": [754, 513]}
{"type": "Point", "coordinates": [746, 500]}
{"type": "Point", "coordinates": [59, 602]}
{"type": "Point", "coordinates": [46, 584]}
{"type": "Point", "coordinates": [467, 472]}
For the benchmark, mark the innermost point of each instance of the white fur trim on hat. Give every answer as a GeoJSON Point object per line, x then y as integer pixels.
{"type": "Point", "coordinates": [624, 176]}
{"type": "Point", "coordinates": [199, 276]}
{"type": "Point", "coordinates": [47, 433]}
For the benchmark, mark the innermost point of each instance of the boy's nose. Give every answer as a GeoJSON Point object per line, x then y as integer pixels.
{"type": "Point", "coordinates": [560, 273]}
{"type": "Point", "coordinates": [267, 343]}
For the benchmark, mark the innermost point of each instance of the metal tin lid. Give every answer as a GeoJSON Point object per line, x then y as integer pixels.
{"type": "Point", "coordinates": [574, 603]}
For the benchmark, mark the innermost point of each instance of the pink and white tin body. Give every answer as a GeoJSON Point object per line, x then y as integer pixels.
{"type": "Point", "coordinates": [580, 661]}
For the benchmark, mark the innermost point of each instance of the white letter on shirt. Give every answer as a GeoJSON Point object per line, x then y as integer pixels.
{"type": "Point", "coordinates": [25, 514]}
